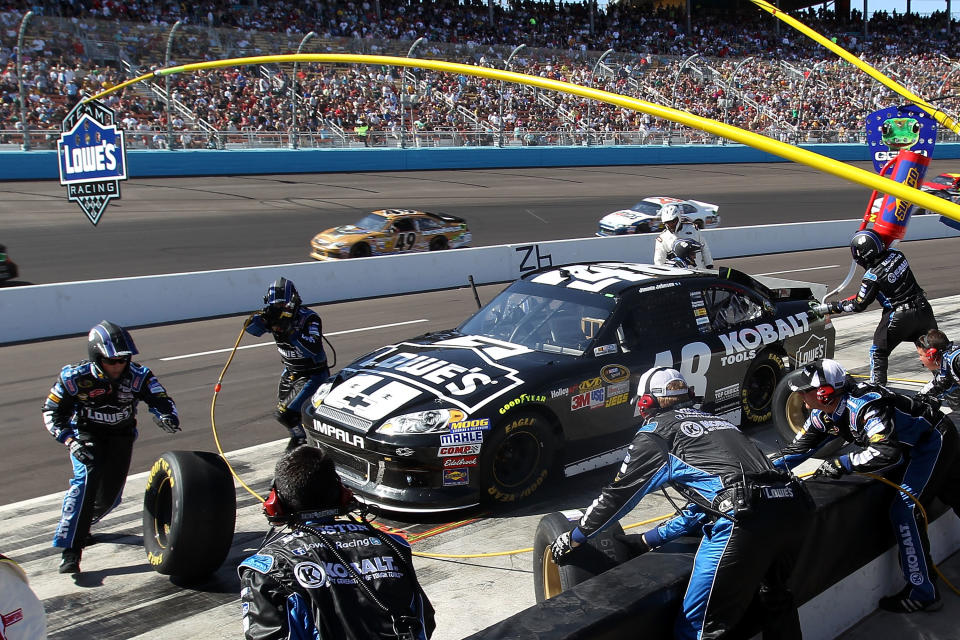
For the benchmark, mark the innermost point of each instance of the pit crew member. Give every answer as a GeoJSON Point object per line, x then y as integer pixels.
{"type": "Point", "coordinates": [676, 228]}
{"type": "Point", "coordinates": [92, 410]}
{"type": "Point", "coordinates": [324, 574]}
{"type": "Point", "coordinates": [752, 516]}
{"type": "Point", "coordinates": [906, 436]}
{"type": "Point", "coordinates": [940, 355]}
{"type": "Point", "coordinates": [906, 313]}
{"type": "Point", "coordinates": [298, 332]}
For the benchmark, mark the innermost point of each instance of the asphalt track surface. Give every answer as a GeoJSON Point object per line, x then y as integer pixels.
{"type": "Point", "coordinates": [200, 223]}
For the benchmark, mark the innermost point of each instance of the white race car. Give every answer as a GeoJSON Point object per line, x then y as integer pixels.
{"type": "Point", "coordinates": [644, 216]}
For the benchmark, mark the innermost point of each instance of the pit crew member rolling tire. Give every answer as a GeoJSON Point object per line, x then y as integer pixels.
{"type": "Point", "coordinates": [759, 385]}
{"type": "Point", "coordinates": [189, 512]}
{"type": "Point", "coordinates": [604, 552]}
{"type": "Point", "coordinates": [790, 413]}
{"type": "Point", "coordinates": [518, 458]}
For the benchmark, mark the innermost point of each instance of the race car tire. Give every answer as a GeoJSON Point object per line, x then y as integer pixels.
{"type": "Point", "coordinates": [643, 227]}
{"type": "Point", "coordinates": [517, 458]}
{"type": "Point", "coordinates": [789, 414]}
{"type": "Point", "coordinates": [438, 244]}
{"type": "Point", "coordinates": [756, 392]}
{"type": "Point", "coordinates": [189, 513]}
{"type": "Point", "coordinates": [698, 223]}
{"type": "Point", "coordinates": [360, 250]}
{"type": "Point", "coordinates": [600, 553]}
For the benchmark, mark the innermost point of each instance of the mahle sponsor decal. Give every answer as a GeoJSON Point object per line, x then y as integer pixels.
{"type": "Point", "coordinates": [462, 437]}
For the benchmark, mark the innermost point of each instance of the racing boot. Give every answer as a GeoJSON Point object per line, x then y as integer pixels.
{"type": "Point", "coordinates": [70, 560]}
{"type": "Point", "coordinates": [902, 602]}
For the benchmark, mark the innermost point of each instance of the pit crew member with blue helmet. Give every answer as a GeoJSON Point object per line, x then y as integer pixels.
{"type": "Point", "coordinates": [940, 355]}
{"type": "Point", "coordinates": [298, 332]}
{"type": "Point", "coordinates": [324, 573]}
{"type": "Point", "coordinates": [907, 314]}
{"type": "Point", "coordinates": [92, 410]}
{"type": "Point", "coordinates": [753, 517]}
{"type": "Point", "coordinates": [909, 438]}
{"type": "Point", "coordinates": [676, 228]}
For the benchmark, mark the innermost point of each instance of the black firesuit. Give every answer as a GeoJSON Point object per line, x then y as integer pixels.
{"type": "Point", "coordinates": [946, 382]}
{"type": "Point", "coordinates": [909, 438]}
{"type": "Point", "coordinates": [296, 587]}
{"type": "Point", "coordinates": [86, 405]}
{"type": "Point", "coordinates": [706, 459]}
{"type": "Point", "coordinates": [304, 364]}
{"type": "Point", "coordinates": [906, 313]}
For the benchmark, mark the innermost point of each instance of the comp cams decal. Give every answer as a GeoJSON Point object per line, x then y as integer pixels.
{"type": "Point", "coordinates": [458, 450]}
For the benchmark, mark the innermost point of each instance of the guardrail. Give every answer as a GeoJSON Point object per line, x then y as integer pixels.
{"type": "Point", "coordinates": [73, 307]}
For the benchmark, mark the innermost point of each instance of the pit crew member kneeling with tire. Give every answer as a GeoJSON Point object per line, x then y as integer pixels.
{"type": "Point", "coordinates": [942, 357]}
{"type": "Point", "coordinates": [908, 437]}
{"type": "Point", "coordinates": [326, 575]}
{"type": "Point", "coordinates": [298, 332]}
{"type": "Point", "coordinates": [752, 516]}
{"type": "Point", "coordinates": [92, 410]}
{"type": "Point", "coordinates": [676, 228]}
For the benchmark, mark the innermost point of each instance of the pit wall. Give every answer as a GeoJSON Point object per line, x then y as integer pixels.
{"type": "Point", "coordinates": [72, 308]}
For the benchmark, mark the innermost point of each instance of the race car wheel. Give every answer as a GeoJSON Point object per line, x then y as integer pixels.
{"type": "Point", "coordinates": [189, 512]}
{"type": "Point", "coordinates": [756, 392]}
{"type": "Point", "coordinates": [517, 458]}
{"type": "Point", "coordinates": [438, 244]}
{"type": "Point", "coordinates": [360, 250]}
{"type": "Point", "coordinates": [643, 227]}
{"type": "Point", "coordinates": [599, 554]}
{"type": "Point", "coordinates": [789, 414]}
{"type": "Point", "coordinates": [698, 223]}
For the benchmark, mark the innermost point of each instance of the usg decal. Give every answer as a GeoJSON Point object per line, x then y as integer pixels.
{"type": "Point", "coordinates": [91, 157]}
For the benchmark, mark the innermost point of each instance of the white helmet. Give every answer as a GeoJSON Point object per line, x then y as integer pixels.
{"type": "Point", "coordinates": [669, 212]}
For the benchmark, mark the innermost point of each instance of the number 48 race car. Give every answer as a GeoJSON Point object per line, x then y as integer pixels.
{"type": "Point", "coordinates": [540, 383]}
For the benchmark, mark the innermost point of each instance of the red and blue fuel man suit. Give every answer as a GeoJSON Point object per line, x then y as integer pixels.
{"type": "Point", "coordinates": [703, 457]}
{"type": "Point", "coordinates": [86, 405]}
{"type": "Point", "coordinates": [904, 438]}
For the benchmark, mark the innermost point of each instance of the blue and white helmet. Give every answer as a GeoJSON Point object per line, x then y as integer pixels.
{"type": "Point", "coordinates": [282, 293]}
{"type": "Point", "coordinates": [108, 340]}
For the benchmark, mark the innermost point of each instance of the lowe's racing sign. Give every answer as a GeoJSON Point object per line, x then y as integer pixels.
{"type": "Point", "coordinates": [92, 158]}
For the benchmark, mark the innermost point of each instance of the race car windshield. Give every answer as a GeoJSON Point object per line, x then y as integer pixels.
{"type": "Point", "coordinates": [371, 222]}
{"type": "Point", "coordinates": [543, 318]}
{"type": "Point", "coordinates": [947, 180]}
{"type": "Point", "coordinates": [649, 208]}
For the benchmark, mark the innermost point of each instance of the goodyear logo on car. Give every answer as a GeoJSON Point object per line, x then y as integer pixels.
{"type": "Point", "coordinates": [91, 157]}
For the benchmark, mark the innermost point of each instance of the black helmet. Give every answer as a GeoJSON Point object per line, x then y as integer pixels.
{"type": "Point", "coordinates": [107, 340]}
{"type": "Point", "coordinates": [282, 301]}
{"type": "Point", "coordinates": [867, 248]}
{"type": "Point", "coordinates": [685, 250]}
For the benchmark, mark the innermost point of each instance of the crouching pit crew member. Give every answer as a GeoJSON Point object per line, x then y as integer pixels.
{"type": "Point", "coordinates": [325, 574]}
{"type": "Point", "coordinates": [92, 410]}
{"type": "Point", "coordinates": [907, 437]}
{"type": "Point", "coordinates": [753, 517]}
{"type": "Point", "coordinates": [940, 355]}
{"type": "Point", "coordinates": [298, 333]}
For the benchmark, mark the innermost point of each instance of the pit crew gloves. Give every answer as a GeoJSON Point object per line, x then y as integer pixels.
{"type": "Point", "coordinates": [82, 452]}
{"type": "Point", "coordinates": [831, 469]}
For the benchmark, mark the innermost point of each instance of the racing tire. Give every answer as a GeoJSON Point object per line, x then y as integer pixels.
{"type": "Point", "coordinates": [189, 513]}
{"type": "Point", "coordinates": [439, 243]}
{"type": "Point", "coordinates": [759, 385]}
{"type": "Point", "coordinates": [517, 459]}
{"type": "Point", "coordinates": [600, 553]}
{"type": "Point", "coordinates": [698, 224]}
{"type": "Point", "coordinates": [789, 414]}
{"type": "Point", "coordinates": [360, 250]}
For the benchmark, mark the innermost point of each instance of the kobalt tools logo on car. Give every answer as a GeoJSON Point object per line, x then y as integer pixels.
{"type": "Point", "coordinates": [763, 334]}
{"type": "Point", "coordinates": [468, 371]}
{"type": "Point", "coordinates": [91, 157]}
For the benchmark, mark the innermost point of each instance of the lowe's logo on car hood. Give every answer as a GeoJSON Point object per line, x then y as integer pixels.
{"type": "Point", "coordinates": [464, 370]}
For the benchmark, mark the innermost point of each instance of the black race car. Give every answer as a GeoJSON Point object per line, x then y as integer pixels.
{"type": "Point", "coordinates": [540, 382]}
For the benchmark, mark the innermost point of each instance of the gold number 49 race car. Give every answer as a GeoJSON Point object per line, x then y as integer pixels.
{"type": "Point", "coordinates": [388, 231]}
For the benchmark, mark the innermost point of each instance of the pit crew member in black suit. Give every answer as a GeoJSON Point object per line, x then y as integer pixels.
{"type": "Point", "coordinates": [325, 574]}
{"type": "Point", "coordinates": [753, 517]}
{"type": "Point", "coordinates": [298, 332]}
{"type": "Point", "coordinates": [907, 437]}
{"type": "Point", "coordinates": [92, 409]}
{"type": "Point", "coordinates": [940, 355]}
{"type": "Point", "coordinates": [907, 314]}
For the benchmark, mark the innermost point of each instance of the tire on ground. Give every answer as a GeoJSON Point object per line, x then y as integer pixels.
{"type": "Point", "coordinates": [360, 250]}
{"type": "Point", "coordinates": [517, 458]}
{"type": "Point", "coordinates": [189, 513]}
{"type": "Point", "coordinates": [759, 386]}
{"type": "Point", "coordinates": [599, 554]}
{"type": "Point", "coordinates": [789, 414]}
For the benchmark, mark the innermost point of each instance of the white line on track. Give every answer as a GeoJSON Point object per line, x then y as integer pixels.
{"type": "Point", "coordinates": [773, 273]}
{"type": "Point", "coordinates": [535, 216]}
{"type": "Point", "coordinates": [265, 344]}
